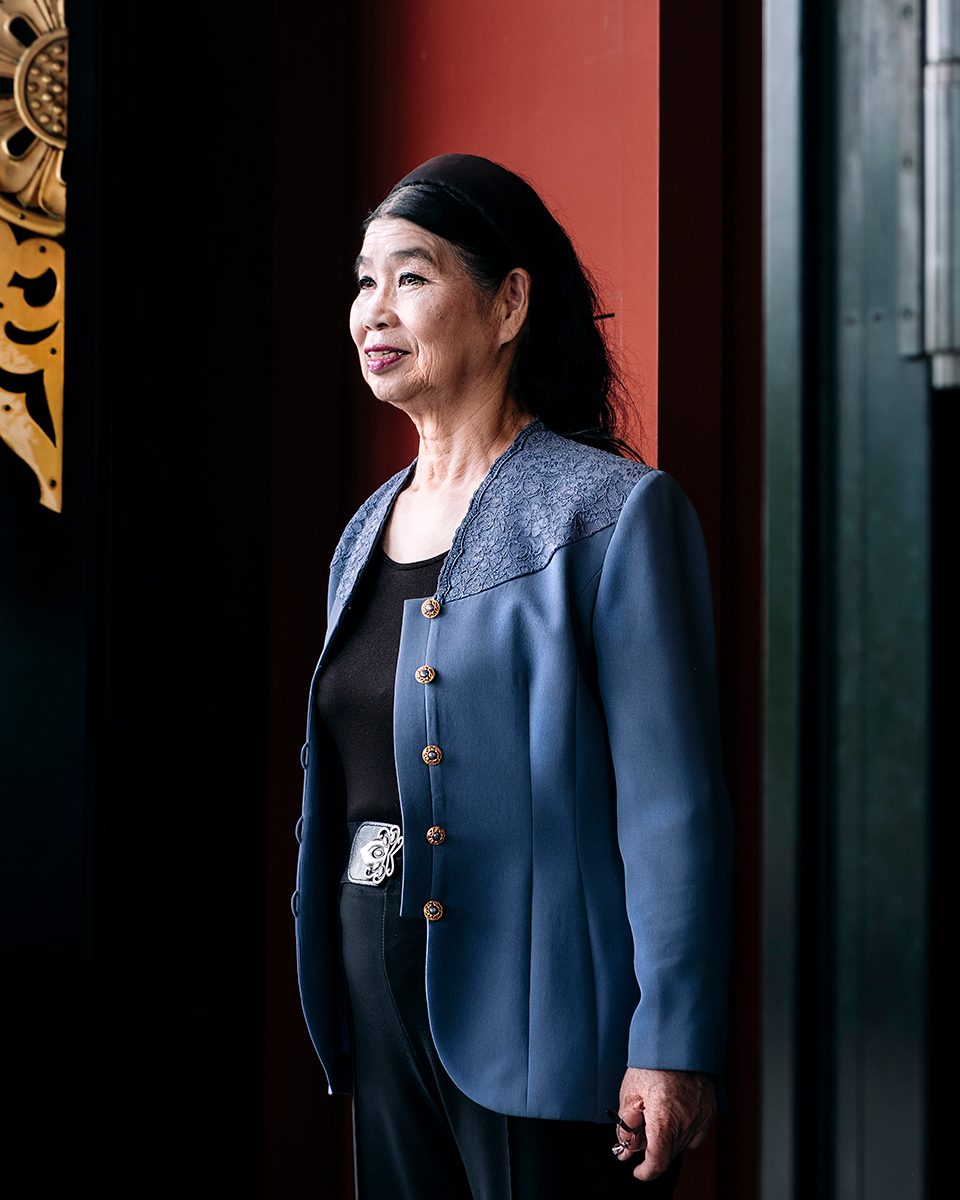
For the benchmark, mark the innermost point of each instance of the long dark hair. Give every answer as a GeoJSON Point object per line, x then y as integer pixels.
{"type": "Point", "coordinates": [564, 370]}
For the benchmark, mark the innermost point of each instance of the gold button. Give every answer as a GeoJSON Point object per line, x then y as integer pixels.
{"type": "Point", "coordinates": [425, 674]}
{"type": "Point", "coordinates": [433, 910]}
{"type": "Point", "coordinates": [436, 835]}
{"type": "Point", "coordinates": [431, 755]}
{"type": "Point", "coordinates": [430, 608]}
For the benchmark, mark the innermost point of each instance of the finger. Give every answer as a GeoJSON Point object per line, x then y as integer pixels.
{"type": "Point", "coordinates": [623, 1150]}
{"type": "Point", "coordinates": [659, 1152]}
{"type": "Point", "coordinates": [651, 1168]}
{"type": "Point", "coordinates": [630, 1144]}
{"type": "Point", "coordinates": [632, 1110]}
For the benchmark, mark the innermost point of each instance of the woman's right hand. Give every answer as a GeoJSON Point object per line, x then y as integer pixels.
{"type": "Point", "coordinates": [673, 1110]}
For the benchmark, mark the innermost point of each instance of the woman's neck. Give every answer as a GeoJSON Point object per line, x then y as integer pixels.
{"type": "Point", "coordinates": [457, 451]}
{"type": "Point", "coordinates": [455, 456]}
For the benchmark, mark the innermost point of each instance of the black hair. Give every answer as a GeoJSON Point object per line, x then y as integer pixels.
{"type": "Point", "coordinates": [564, 370]}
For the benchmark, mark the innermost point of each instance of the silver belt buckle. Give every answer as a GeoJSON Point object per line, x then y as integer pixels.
{"type": "Point", "coordinates": [375, 846]}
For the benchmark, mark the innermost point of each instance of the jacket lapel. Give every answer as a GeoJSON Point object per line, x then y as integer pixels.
{"type": "Point", "coordinates": [371, 524]}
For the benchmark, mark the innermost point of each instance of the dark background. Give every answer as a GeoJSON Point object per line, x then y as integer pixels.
{"type": "Point", "coordinates": [135, 651]}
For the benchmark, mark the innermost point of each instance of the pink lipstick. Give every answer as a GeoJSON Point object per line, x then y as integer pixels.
{"type": "Point", "coordinates": [379, 358]}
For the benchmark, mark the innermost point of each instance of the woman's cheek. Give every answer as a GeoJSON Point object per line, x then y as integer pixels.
{"type": "Point", "coordinates": [424, 366]}
{"type": "Point", "coordinates": [356, 324]}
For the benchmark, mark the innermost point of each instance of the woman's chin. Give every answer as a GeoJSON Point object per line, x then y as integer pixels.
{"type": "Point", "coordinates": [393, 390]}
{"type": "Point", "coordinates": [399, 397]}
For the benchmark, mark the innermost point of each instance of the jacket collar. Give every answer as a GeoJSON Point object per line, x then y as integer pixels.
{"type": "Point", "coordinates": [544, 491]}
{"type": "Point", "coordinates": [364, 530]}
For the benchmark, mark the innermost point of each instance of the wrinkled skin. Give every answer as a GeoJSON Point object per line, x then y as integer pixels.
{"type": "Point", "coordinates": [676, 1108]}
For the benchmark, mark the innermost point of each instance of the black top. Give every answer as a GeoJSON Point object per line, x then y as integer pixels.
{"type": "Point", "coordinates": [354, 694]}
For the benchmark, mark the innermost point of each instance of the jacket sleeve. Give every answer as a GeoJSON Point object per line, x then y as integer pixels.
{"type": "Point", "coordinates": [654, 637]}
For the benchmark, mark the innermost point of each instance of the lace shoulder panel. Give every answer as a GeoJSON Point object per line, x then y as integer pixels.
{"type": "Point", "coordinates": [554, 491]}
{"type": "Point", "coordinates": [361, 532]}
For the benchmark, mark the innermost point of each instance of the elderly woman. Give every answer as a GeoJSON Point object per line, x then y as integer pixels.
{"type": "Point", "coordinates": [512, 890]}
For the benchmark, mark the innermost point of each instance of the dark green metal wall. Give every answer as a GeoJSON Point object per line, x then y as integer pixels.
{"type": "Point", "coordinates": [849, 637]}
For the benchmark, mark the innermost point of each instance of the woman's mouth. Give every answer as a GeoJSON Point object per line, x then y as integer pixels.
{"type": "Point", "coordinates": [379, 358]}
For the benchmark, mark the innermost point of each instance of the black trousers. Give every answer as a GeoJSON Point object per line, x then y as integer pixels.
{"type": "Point", "coordinates": [416, 1135]}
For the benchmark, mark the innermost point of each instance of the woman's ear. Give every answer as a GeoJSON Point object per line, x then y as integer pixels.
{"type": "Point", "coordinates": [514, 300]}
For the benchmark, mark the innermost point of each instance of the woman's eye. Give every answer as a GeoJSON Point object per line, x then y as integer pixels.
{"type": "Point", "coordinates": [408, 278]}
{"type": "Point", "coordinates": [364, 282]}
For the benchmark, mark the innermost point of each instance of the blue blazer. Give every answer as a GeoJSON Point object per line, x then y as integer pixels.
{"type": "Point", "coordinates": [585, 874]}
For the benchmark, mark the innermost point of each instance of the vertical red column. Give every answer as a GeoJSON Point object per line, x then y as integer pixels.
{"type": "Point", "coordinates": [632, 125]}
{"type": "Point", "coordinates": [566, 94]}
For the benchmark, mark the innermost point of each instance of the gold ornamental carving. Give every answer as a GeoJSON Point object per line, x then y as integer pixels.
{"type": "Point", "coordinates": [31, 346]}
{"type": "Point", "coordinates": [33, 200]}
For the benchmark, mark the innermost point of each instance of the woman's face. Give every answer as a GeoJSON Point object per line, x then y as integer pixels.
{"type": "Point", "coordinates": [424, 331]}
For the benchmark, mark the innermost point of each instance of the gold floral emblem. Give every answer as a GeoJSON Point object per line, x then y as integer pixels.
{"type": "Point", "coordinates": [33, 114]}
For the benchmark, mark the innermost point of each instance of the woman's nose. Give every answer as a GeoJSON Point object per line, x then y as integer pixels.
{"type": "Point", "coordinates": [379, 313]}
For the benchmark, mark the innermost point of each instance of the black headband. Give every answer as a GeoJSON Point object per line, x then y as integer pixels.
{"type": "Point", "coordinates": [510, 205]}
